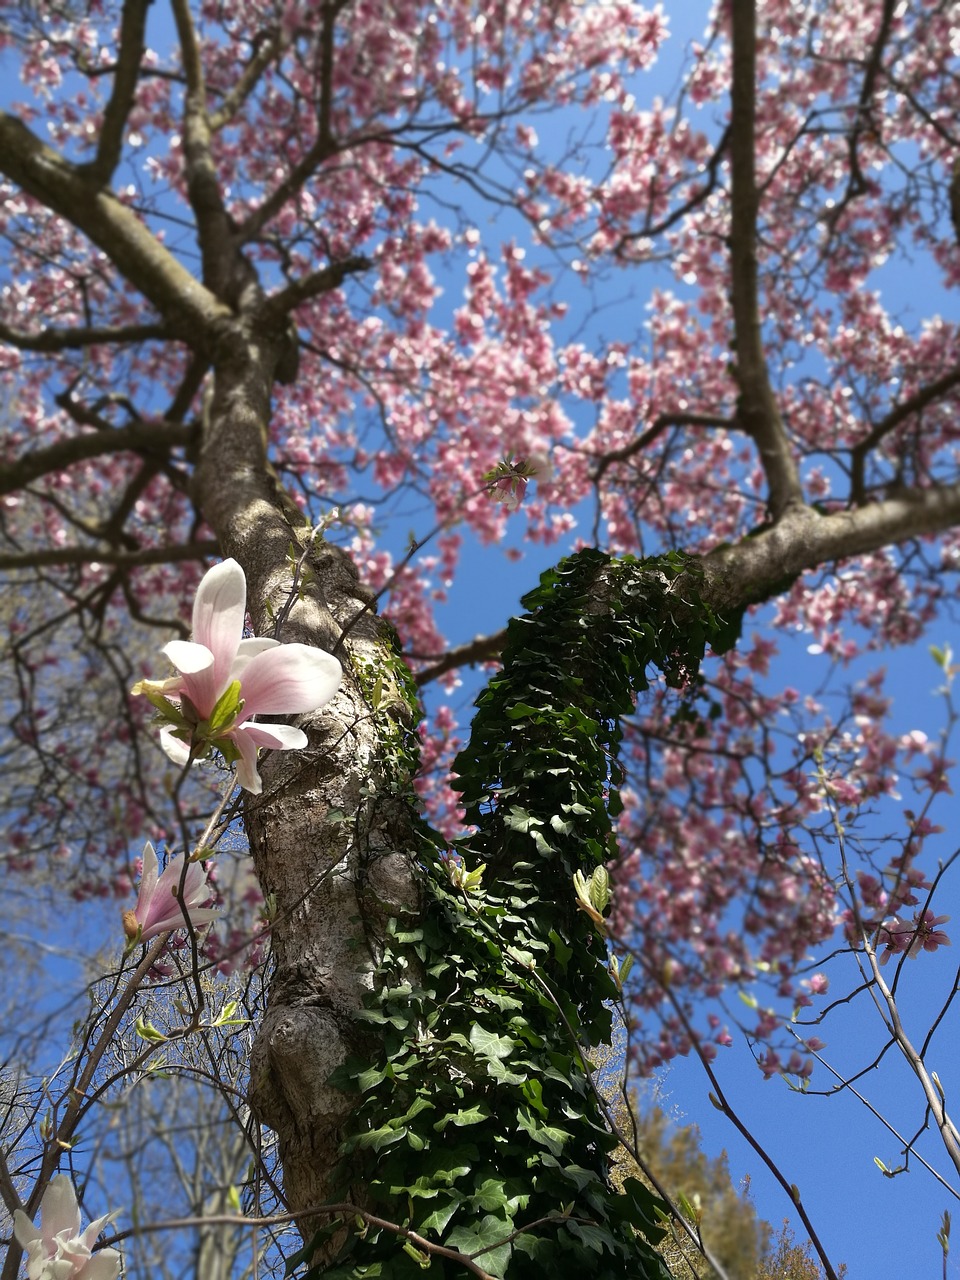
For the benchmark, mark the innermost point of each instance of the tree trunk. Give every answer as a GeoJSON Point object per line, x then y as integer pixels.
{"type": "Point", "coordinates": [331, 834]}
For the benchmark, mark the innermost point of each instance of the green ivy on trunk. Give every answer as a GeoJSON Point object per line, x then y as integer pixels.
{"type": "Point", "coordinates": [477, 1125]}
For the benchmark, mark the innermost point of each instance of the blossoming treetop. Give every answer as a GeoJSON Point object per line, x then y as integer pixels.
{"type": "Point", "coordinates": [221, 314]}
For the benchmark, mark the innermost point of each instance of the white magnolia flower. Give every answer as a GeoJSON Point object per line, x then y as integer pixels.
{"type": "Point", "coordinates": [224, 681]}
{"type": "Point", "coordinates": [57, 1249]}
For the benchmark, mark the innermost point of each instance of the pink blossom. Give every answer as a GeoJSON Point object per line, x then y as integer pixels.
{"type": "Point", "coordinates": [911, 937]}
{"type": "Point", "coordinates": [507, 482]}
{"type": "Point", "coordinates": [799, 1066]}
{"type": "Point", "coordinates": [57, 1250]}
{"type": "Point", "coordinates": [927, 936]}
{"type": "Point", "coordinates": [158, 908]}
{"type": "Point", "coordinates": [225, 680]}
{"type": "Point", "coordinates": [770, 1064]}
{"type": "Point", "coordinates": [509, 490]}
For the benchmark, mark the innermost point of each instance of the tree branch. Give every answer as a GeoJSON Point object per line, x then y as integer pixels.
{"type": "Point", "coordinates": [139, 437]}
{"type": "Point", "coordinates": [324, 280]}
{"type": "Point", "coordinates": [270, 48]}
{"type": "Point", "coordinates": [131, 45]}
{"type": "Point", "coordinates": [890, 421]}
{"type": "Point", "coordinates": [125, 559]}
{"type": "Point", "coordinates": [189, 308]}
{"type": "Point", "coordinates": [757, 409]}
{"type": "Point", "coordinates": [658, 426]}
{"type": "Point", "coordinates": [803, 540]}
{"type": "Point", "coordinates": [480, 649]}
{"type": "Point", "coordinates": [251, 227]}
{"type": "Point", "coordinates": [54, 339]}
{"type": "Point", "coordinates": [214, 230]}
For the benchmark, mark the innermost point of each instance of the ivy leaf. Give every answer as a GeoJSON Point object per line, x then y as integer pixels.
{"type": "Point", "coordinates": [439, 1217]}
{"type": "Point", "coordinates": [591, 1236]}
{"type": "Point", "coordinates": [464, 1116]}
{"type": "Point", "coordinates": [367, 1079]}
{"type": "Point", "coordinates": [499, 999]}
{"type": "Point", "coordinates": [533, 1092]}
{"type": "Point", "coordinates": [519, 819]}
{"type": "Point", "coordinates": [521, 709]}
{"type": "Point", "coordinates": [489, 1045]}
{"type": "Point", "coordinates": [377, 1139]}
{"type": "Point", "coordinates": [488, 1235]}
{"type": "Point", "coordinates": [546, 1135]}
{"type": "Point", "coordinates": [497, 1071]}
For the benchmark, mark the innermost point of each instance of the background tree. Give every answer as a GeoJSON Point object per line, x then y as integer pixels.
{"type": "Point", "coordinates": [222, 315]}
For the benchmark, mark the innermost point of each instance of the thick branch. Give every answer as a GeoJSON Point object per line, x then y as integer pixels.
{"type": "Point", "coordinates": [133, 26]}
{"type": "Point", "coordinates": [55, 339]}
{"type": "Point", "coordinates": [213, 225]}
{"type": "Point", "coordinates": [123, 559]}
{"type": "Point", "coordinates": [803, 540]}
{"type": "Point", "coordinates": [268, 51]}
{"type": "Point", "coordinates": [480, 649]}
{"type": "Point", "coordinates": [280, 196]}
{"type": "Point", "coordinates": [141, 259]}
{"type": "Point", "coordinates": [285, 300]}
{"type": "Point", "coordinates": [139, 437]}
{"type": "Point", "coordinates": [757, 409]}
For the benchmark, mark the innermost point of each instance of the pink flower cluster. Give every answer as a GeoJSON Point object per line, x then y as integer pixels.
{"type": "Point", "coordinates": [900, 937]}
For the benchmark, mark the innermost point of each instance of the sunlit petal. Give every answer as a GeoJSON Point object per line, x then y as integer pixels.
{"type": "Point", "coordinates": [199, 680]}
{"type": "Point", "coordinates": [218, 613]}
{"type": "Point", "coordinates": [176, 750]}
{"type": "Point", "coordinates": [247, 775]}
{"type": "Point", "coordinates": [278, 737]}
{"type": "Point", "coordinates": [289, 679]}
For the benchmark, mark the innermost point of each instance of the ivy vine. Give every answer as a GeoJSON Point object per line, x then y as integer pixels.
{"type": "Point", "coordinates": [478, 1126]}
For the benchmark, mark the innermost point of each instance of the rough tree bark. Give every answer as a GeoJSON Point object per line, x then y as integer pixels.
{"type": "Point", "coordinates": [335, 882]}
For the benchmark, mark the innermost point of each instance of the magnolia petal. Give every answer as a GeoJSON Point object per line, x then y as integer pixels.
{"type": "Point", "coordinates": [59, 1210]}
{"type": "Point", "coordinates": [249, 648]}
{"type": "Point", "coordinates": [189, 658]}
{"type": "Point", "coordinates": [247, 775]}
{"type": "Point", "coordinates": [148, 878]}
{"type": "Point", "coordinates": [289, 679]}
{"type": "Point", "coordinates": [195, 886]}
{"type": "Point", "coordinates": [168, 886]}
{"type": "Point", "coordinates": [174, 920]}
{"type": "Point", "coordinates": [89, 1237]}
{"type": "Point", "coordinates": [24, 1229]}
{"type": "Point", "coordinates": [164, 912]}
{"type": "Point", "coordinates": [38, 1266]}
{"type": "Point", "coordinates": [278, 737]}
{"type": "Point", "coordinates": [176, 750]}
{"type": "Point", "coordinates": [218, 614]}
{"type": "Point", "coordinates": [104, 1265]}
{"type": "Point", "coordinates": [200, 677]}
